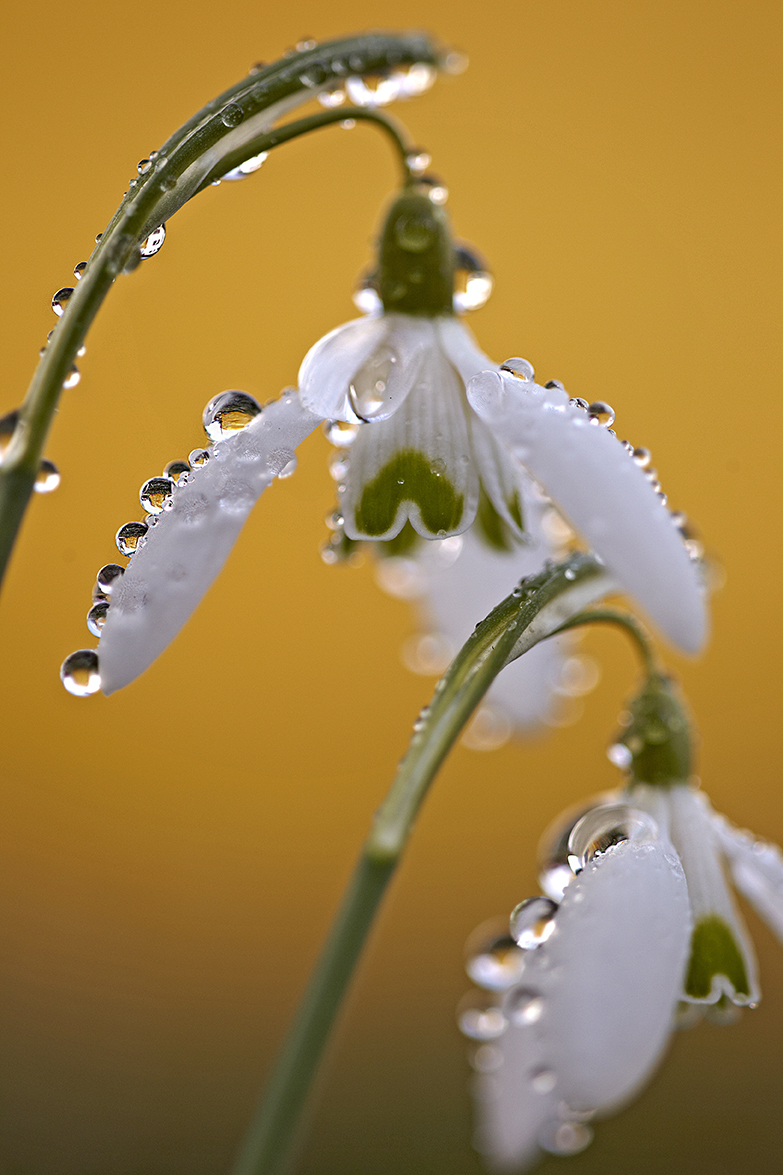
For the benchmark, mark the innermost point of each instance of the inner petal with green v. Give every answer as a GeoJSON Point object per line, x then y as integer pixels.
{"type": "Point", "coordinates": [715, 955]}
{"type": "Point", "coordinates": [417, 465]}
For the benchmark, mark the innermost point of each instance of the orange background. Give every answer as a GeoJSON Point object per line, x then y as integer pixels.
{"type": "Point", "coordinates": [172, 856]}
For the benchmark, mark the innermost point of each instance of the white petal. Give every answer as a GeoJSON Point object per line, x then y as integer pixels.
{"type": "Point", "coordinates": [603, 493]}
{"type": "Point", "coordinates": [694, 836]}
{"type": "Point", "coordinates": [431, 424]}
{"type": "Point", "coordinates": [329, 366]}
{"type": "Point", "coordinates": [757, 870]}
{"type": "Point", "coordinates": [608, 980]}
{"type": "Point", "coordinates": [186, 549]}
{"type": "Point", "coordinates": [462, 349]}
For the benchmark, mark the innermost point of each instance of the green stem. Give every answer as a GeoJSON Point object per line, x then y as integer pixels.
{"type": "Point", "coordinates": [221, 135]}
{"type": "Point", "coordinates": [622, 620]}
{"type": "Point", "coordinates": [525, 617]}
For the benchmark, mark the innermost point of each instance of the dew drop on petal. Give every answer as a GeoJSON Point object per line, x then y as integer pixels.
{"type": "Point", "coordinates": [129, 536]}
{"type": "Point", "coordinates": [475, 292]}
{"type": "Point", "coordinates": [366, 393]}
{"type": "Point", "coordinates": [96, 617]}
{"type": "Point", "coordinates": [366, 297]}
{"type": "Point", "coordinates": [153, 243]}
{"type": "Point", "coordinates": [229, 413]}
{"type": "Point", "coordinates": [495, 964]}
{"type": "Point", "coordinates": [175, 470]}
{"type": "Point", "coordinates": [524, 1006]}
{"type": "Point", "coordinates": [60, 300]}
{"type": "Point", "coordinates": [107, 577]}
{"type": "Point", "coordinates": [532, 922]}
{"type": "Point", "coordinates": [642, 457]}
{"type": "Point", "coordinates": [156, 493]}
{"type": "Point", "coordinates": [479, 1017]}
{"type": "Point", "coordinates": [374, 91]}
{"type": "Point", "coordinates": [543, 1080]}
{"type": "Point", "coordinates": [603, 827]}
{"type": "Point", "coordinates": [601, 413]}
{"type": "Point", "coordinates": [555, 383]}
{"type": "Point", "coordinates": [198, 457]}
{"type": "Point", "coordinates": [288, 468]}
{"type": "Point", "coordinates": [79, 673]}
{"type": "Point", "coordinates": [565, 1138]}
{"type": "Point", "coordinates": [47, 478]}
{"type": "Point", "coordinates": [579, 402]}
{"type": "Point", "coordinates": [519, 368]}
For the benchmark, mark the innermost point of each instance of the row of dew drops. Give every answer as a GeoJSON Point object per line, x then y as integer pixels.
{"type": "Point", "coordinates": [496, 962]}
{"type": "Point", "coordinates": [224, 415]}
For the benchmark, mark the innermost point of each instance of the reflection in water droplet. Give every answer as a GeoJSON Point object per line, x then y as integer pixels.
{"type": "Point", "coordinates": [152, 244]}
{"type": "Point", "coordinates": [543, 1080]}
{"type": "Point", "coordinates": [565, 1138]}
{"type": "Point", "coordinates": [60, 300]}
{"type": "Point", "coordinates": [143, 166]}
{"type": "Point", "coordinates": [288, 469]}
{"type": "Point", "coordinates": [79, 269]}
{"type": "Point", "coordinates": [72, 378]}
{"type": "Point", "coordinates": [435, 190]}
{"type": "Point", "coordinates": [604, 827]}
{"type": "Point", "coordinates": [246, 168]}
{"type": "Point", "coordinates": [107, 577]}
{"type": "Point", "coordinates": [156, 493]}
{"type": "Point", "coordinates": [601, 413]}
{"type": "Point", "coordinates": [524, 1006]}
{"type": "Point", "coordinates": [198, 457]}
{"type": "Point", "coordinates": [532, 922]}
{"type": "Point", "coordinates": [96, 617]}
{"type": "Point", "coordinates": [619, 755]}
{"type": "Point", "coordinates": [341, 433]}
{"type": "Point", "coordinates": [418, 160]}
{"type": "Point", "coordinates": [332, 98]}
{"type": "Point", "coordinates": [367, 392]}
{"type": "Point", "coordinates": [79, 673]}
{"type": "Point", "coordinates": [7, 428]}
{"type": "Point", "coordinates": [519, 368]}
{"type": "Point", "coordinates": [232, 115]}
{"type": "Point", "coordinates": [475, 292]}
{"type": "Point", "coordinates": [417, 79]}
{"type": "Point", "coordinates": [495, 964]}
{"type": "Point", "coordinates": [47, 478]}
{"type": "Point", "coordinates": [129, 536]}
{"type": "Point", "coordinates": [479, 1017]}
{"type": "Point", "coordinates": [229, 413]}
{"type": "Point", "coordinates": [374, 91]}
{"type": "Point", "coordinates": [642, 457]}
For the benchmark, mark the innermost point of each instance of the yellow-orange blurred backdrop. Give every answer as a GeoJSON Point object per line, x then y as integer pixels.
{"type": "Point", "coordinates": [172, 855]}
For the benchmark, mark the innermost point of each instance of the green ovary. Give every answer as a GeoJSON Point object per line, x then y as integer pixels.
{"type": "Point", "coordinates": [409, 477]}
{"type": "Point", "coordinates": [714, 951]}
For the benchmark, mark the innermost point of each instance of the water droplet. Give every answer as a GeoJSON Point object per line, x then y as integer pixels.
{"type": "Point", "coordinates": [366, 297]}
{"type": "Point", "coordinates": [229, 413]}
{"type": "Point", "coordinates": [279, 461]}
{"type": "Point", "coordinates": [418, 160]}
{"type": "Point", "coordinates": [601, 413]}
{"type": "Point", "coordinates": [543, 1080]}
{"type": "Point", "coordinates": [152, 244]}
{"type": "Point", "coordinates": [438, 467]}
{"type": "Point", "coordinates": [603, 827]}
{"type": "Point", "coordinates": [620, 755]}
{"type": "Point", "coordinates": [524, 1006]}
{"type": "Point", "coordinates": [495, 963]}
{"type": "Point", "coordinates": [79, 269]}
{"type": "Point", "coordinates": [642, 457]}
{"type": "Point", "coordinates": [532, 922]}
{"type": "Point", "coordinates": [156, 493]}
{"type": "Point", "coordinates": [306, 43]}
{"type": "Point", "coordinates": [96, 617]}
{"type": "Point", "coordinates": [246, 168]}
{"type": "Point", "coordinates": [232, 115]}
{"type": "Point", "coordinates": [417, 79]}
{"type": "Point", "coordinates": [332, 98]}
{"type": "Point", "coordinates": [143, 166]}
{"type": "Point", "coordinates": [129, 536]}
{"type": "Point", "coordinates": [72, 378]}
{"type": "Point", "coordinates": [288, 468]}
{"type": "Point", "coordinates": [198, 457]}
{"type": "Point", "coordinates": [565, 1138]}
{"type": "Point", "coordinates": [479, 1017]}
{"type": "Point", "coordinates": [555, 383]}
{"type": "Point", "coordinates": [47, 478]}
{"type": "Point", "coordinates": [98, 238]}
{"type": "Point", "coordinates": [366, 393]}
{"type": "Point", "coordinates": [456, 63]}
{"type": "Point", "coordinates": [348, 124]}
{"type": "Point", "coordinates": [107, 578]}
{"type": "Point", "coordinates": [257, 67]}
{"type": "Point", "coordinates": [579, 402]}
{"type": "Point", "coordinates": [79, 673]}
{"type": "Point", "coordinates": [175, 470]}
{"type": "Point", "coordinates": [475, 292]}
{"type": "Point", "coordinates": [168, 183]}
{"type": "Point", "coordinates": [519, 368]}
{"type": "Point", "coordinates": [61, 299]}
{"type": "Point", "coordinates": [374, 91]}
{"type": "Point", "coordinates": [7, 428]}
{"type": "Point", "coordinates": [569, 573]}
{"type": "Point", "coordinates": [435, 190]}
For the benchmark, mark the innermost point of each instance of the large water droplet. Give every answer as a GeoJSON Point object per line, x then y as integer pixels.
{"type": "Point", "coordinates": [79, 673]}
{"type": "Point", "coordinates": [47, 478]}
{"type": "Point", "coordinates": [60, 300]}
{"type": "Point", "coordinates": [228, 413]}
{"type": "Point", "coordinates": [524, 1006]}
{"type": "Point", "coordinates": [417, 79]}
{"type": "Point", "coordinates": [474, 292]}
{"type": "Point", "coordinates": [72, 378]}
{"type": "Point", "coordinates": [153, 243]}
{"type": "Point", "coordinates": [176, 470]}
{"type": "Point", "coordinates": [96, 617]}
{"type": "Point", "coordinates": [519, 368]}
{"type": "Point", "coordinates": [247, 167]}
{"type": "Point", "coordinates": [79, 269]}
{"type": "Point", "coordinates": [341, 433]}
{"type": "Point", "coordinates": [198, 457]}
{"type": "Point", "coordinates": [602, 828]}
{"type": "Point", "coordinates": [129, 536]}
{"type": "Point", "coordinates": [366, 393]}
{"type": "Point", "coordinates": [156, 494]}
{"type": "Point", "coordinates": [332, 98]}
{"type": "Point", "coordinates": [107, 578]}
{"type": "Point", "coordinates": [601, 413]}
{"type": "Point", "coordinates": [480, 1018]}
{"type": "Point", "coordinates": [366, 297]}
{"type": "Point", "coordinates": [496, 963]}
{"type": "Point", "coordinates": [532, 922]}
{"type": "Point", "coordinates": [143, 166]}
{"type": "Point", "coordinates": [232, 115]}
{"type": "Point", "coordinates": [375, 91]}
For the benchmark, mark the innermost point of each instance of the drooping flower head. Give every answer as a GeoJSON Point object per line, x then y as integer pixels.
{"type": "Point", "coordinates": [442, 441]}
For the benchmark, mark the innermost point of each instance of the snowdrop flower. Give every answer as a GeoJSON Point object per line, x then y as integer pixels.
{"type": "Point", "coordinates": [440, 442]}
{"type": "Point", "coordinates": [636, 923]}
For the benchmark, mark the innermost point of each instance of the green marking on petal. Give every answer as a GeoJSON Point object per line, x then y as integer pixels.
{"type": "Point", "coordinates": [409, 477]}
{"type": "Point", "coordinates": [714, 951]}
{"type": "Point", "coordinates": [493, 529]}
{"type": "Point", "coordinates": [403, 543]}
{"type": "Point", "coordinates": [515, 509]}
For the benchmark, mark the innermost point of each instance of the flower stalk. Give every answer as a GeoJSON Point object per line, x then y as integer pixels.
{"type": "Point", "coordinates": [532, 612]}
{"type": "Point", "coordinates": [231, 128]}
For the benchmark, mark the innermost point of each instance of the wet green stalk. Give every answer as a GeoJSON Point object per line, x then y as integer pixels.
{"type": "Point", "coordinates": [622, 620]}
{"type": "Point", "coordinates": [231, 128]}
{"type": "Point", "coordinates": [274, 1134]}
